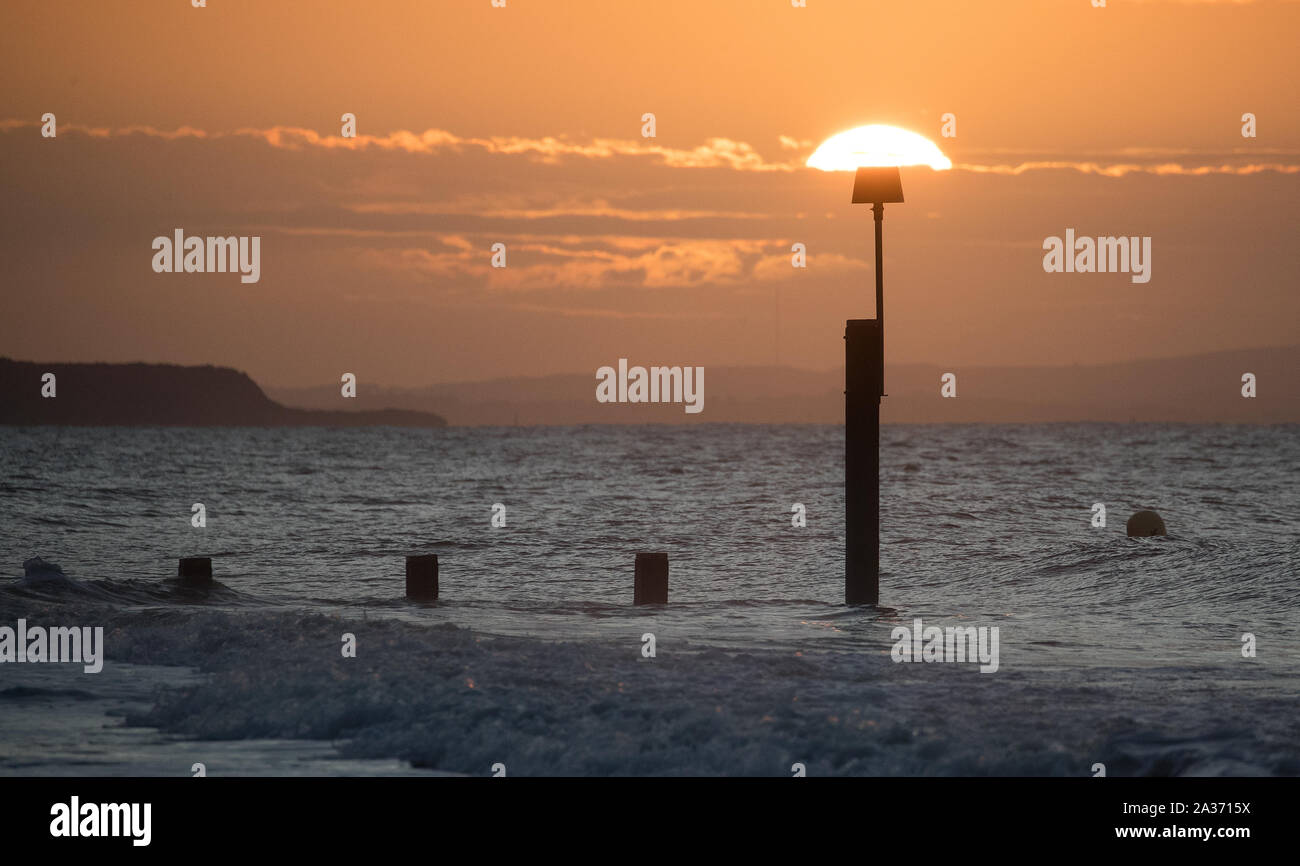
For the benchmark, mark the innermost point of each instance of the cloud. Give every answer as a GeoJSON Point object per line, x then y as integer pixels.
{"type": "Point", "coordinates": [489, 207]}
{"type": "Point", "coordinates": [715, 152]}
{"type": "Point", "coordinates": [1121, 169]}
{"type": "Point", "coordinates": [595, 264]}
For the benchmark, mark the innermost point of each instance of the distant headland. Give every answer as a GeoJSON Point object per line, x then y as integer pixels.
{"type": "Point", "coordinates": [165, 395]}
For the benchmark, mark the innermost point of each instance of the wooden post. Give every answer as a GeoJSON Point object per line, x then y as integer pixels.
{"type": "Point", "coordinates": [422, 577]}
{"type": "Point", "coordinates": [650, 584]}
{"type": "Point", "coordinates": [863, 386]}
{"type": "Point", "coordinates": [195, 571]}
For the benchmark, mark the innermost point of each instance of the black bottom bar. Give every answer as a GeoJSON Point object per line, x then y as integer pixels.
{"type": "Point", "coordinates": [938, 816]}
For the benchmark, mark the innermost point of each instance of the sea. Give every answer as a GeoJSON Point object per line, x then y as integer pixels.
{"type": "Point", "coordinates": [1118, 656]}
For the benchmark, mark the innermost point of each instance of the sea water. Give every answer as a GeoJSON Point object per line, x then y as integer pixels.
{"type": "Point", "coordinates": [1125, 653]}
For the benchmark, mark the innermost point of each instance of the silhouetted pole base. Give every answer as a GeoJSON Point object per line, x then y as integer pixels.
{"type": "Point", "coordinates": [863, 378]}
{"type": "Point", "coordinates": [650, 586]}
{"type": "Point", "coordinates": [195, 571]}
{"type": "Point", "coordinates": [422, 577]}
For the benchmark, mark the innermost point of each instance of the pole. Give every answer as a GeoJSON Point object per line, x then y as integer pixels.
{"type": "Point", "coordinates": [878, 210]}
{"type": "Point", "coordinates": [864, 386]}
{"type": "Point", "coordinates": [650, 579]}
{"type": "Point", "coordinates": [195, 571]}
{"type": "Point", "coordinates": [862, 352]}
{"type": "Point", "coordinates": [422, 577]}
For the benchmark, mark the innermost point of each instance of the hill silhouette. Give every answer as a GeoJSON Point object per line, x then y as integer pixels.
{"type": "Point", "coordinates": [1196, 389]}
{"type": "Point", "coordinates": [167, 395]}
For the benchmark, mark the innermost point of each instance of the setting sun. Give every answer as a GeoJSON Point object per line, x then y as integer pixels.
{"type": "Point", "coordinates": [877, 145]}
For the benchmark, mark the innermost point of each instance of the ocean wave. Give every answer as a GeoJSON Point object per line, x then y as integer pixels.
{"type": "Point", "coordinates": [451, 699]}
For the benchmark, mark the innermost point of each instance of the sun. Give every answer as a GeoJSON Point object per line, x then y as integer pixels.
{"type": "Point", "coordinates": [877, 145]}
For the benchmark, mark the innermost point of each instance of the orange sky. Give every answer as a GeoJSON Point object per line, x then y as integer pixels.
{"type": "Point", "coordinates": [375, 253]}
